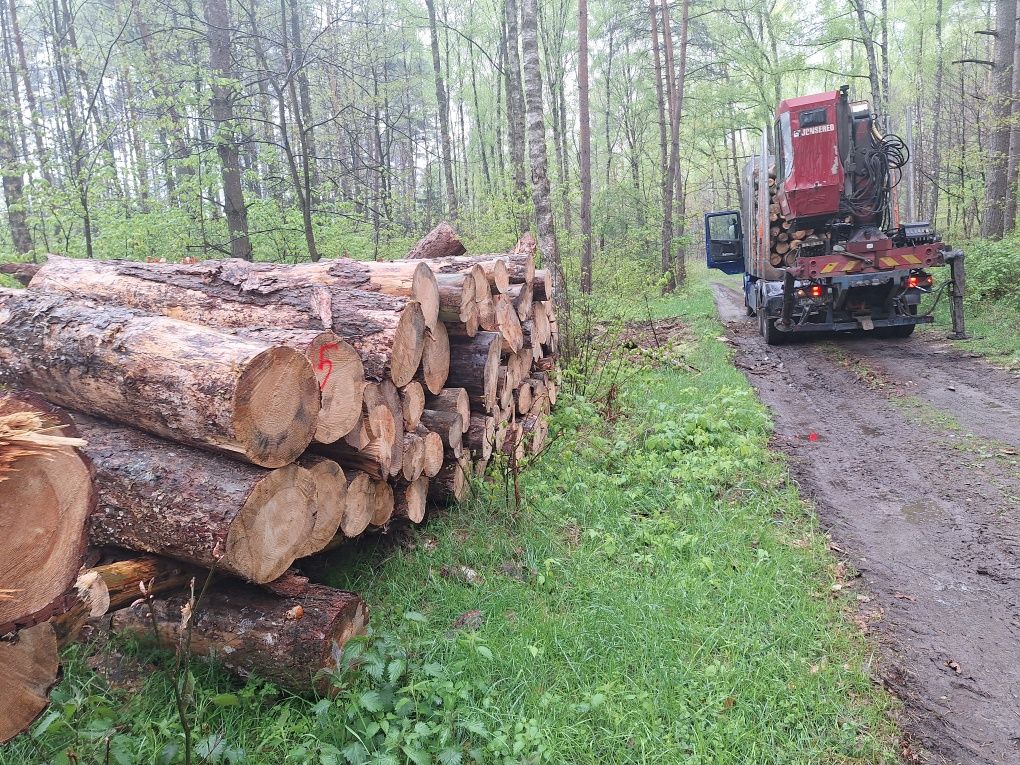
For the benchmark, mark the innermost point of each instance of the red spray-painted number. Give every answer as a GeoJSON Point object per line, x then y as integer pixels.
{"type": "Point", "coordinates": [325, 363]}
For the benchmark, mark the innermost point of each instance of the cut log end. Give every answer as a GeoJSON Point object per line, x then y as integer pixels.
{"type": "Point", "coordinates": [408, 344]}
{"type": "Point", "coordinates": [276, 407]}
{"type": "Point", "coordinates": [46, 497]}
{"type": "Point", "coordinates": [433, 453]}
{"type": "Point", "coordinates": [435, 361]}
{"type": "Point", "coordinates": [382, 502]}
{"type": "Point", "coordinates": [330, 502]}
{"type": "Point", "coordinates": [359, 508]}
{"type": "Point", "coordinates": [412, 404]}
{"type": "Point", "coordinates": [272, 526]}
{"type": "Point", "coordinates": [341, 378]}
{"type": "Point", "coordinates": [410, 500]}
{"type": "Point", "coordinates": [29, 667]}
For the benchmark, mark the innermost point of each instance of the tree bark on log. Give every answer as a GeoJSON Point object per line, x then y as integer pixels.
{"type": "Point", "coordinates": [457, 298]}
{"type": "Point", "coordinates": [474, 366]}
{"type": "Point", "coordinates": [330, 499]}
{"type": "Point", "coordinates": [481, 435]}
{"type": "Point", "coordinates": [450, 428]}
{"type": "Point", "coordinates": [542, 286]}
{"type": "Point", "coordinates": [168, 377]}
{"type": "Point", "coordinates": [29, 668]}
{"type": "Point", "coordinates": [440, 242]}
{"type": "Point", "coordinates": [410, 499]}
{"type": "Point", "coordinates": [522, 297]}
{"type": "Point", "coordinates": [294, 642]}
{"type": "Point", "coordinates": [46, 497]}
{"type": "Point", "coordinates": [20, 272]}
{"type": "Point", "coordinates": [125, 578]}
{"type": "Point", "coordinates": [451, 400]}
{"type": "Point", "coordinates": [388, 332]}
{"type": "Point", "coordinates": [488, 269]}
{"type": "Point", "coordinates": [451, 482]}
{"type": "Point", "coordinates": [160, 497]}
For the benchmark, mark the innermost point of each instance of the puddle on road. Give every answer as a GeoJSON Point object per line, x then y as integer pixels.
{"type": "Point", "coordinates": [919, 512]}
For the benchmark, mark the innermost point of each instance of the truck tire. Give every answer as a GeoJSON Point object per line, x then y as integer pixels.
{"type": "Point", "coordinates": [767, 327]}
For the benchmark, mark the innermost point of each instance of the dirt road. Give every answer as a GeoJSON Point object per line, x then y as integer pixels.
{"type": "Point", "coordinates": [914, 469]}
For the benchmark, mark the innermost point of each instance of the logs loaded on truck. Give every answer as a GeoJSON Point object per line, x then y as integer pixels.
{"type": "Point", "coordinates": [818, 237]}
{"type": "Point", "coordinates": [161, 424]}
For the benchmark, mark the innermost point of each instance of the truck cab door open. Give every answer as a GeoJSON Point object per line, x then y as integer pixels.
{"type": "Point", "coordinates": [724, 241]}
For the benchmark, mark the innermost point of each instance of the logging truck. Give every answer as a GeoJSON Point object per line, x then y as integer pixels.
{"type": "Point", "coordinates": [818, 237]}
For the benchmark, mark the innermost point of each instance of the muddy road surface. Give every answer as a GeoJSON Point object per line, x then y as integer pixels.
{"type": "Point", "coordinates": [909, 450]}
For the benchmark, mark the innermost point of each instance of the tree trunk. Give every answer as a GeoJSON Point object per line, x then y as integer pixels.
{"type": "Point", "coordinates": [444, 114]}
{"type": "Point", "coordinates": [181, 381]}
{"type": "Point", "coordinates": [1013, 161]}
{"type": "Point", "coordinates": [997, 183]}
{"type": "Point", "coordinates": [294, 642]}
{"type": "Point", "coordinates": [46, 496]}
{"type": "Point", "coordinates": [666, 265]}
{"type": "Point", "coordinates": [515, 117]}
{"type": "Point", "coordinates": [440, 242]}
{"type": "Point", "coordinates": [541, 193]}
{"type": "Point", "coordinates": [160, 497]}
{"type": "Point", "coordinates": [13, 182]}
{"type": "Point", "coordinates": [877, 103]}
{"type": "Point", "coordinates": [388, 332]}
{"type": "Point", "coordinates": [585, 133]}
{"type": "Point", "coordinates": [218, 34]}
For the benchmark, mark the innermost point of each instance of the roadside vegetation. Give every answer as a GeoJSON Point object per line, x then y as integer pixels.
{"type": "Point", "coordinates": [661, 595]}
{"type": "Point", "coordinates": [993, 301]}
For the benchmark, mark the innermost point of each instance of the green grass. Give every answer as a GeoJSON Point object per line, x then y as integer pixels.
{"type": "Point", "coordinates": [663, 596]}
{"type": "Point", "coordinates": [993, 326]}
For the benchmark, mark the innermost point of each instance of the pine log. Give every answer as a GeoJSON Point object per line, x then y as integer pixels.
{"type": "Point", "coordinates": [451, 483]}
{"type": "Point", "coordinates": [522, 296]}
{"type": "Point", "coordinates": [440, 242]}
{"type": "Point", "coordinates": [457, 299]}
{"type": "Point", "coordinates": [410, 499]}
{"type": "Point", "coordinates": [46, 497]}
{"type": "Point", "coordinates": [381, 499]}
{"type": "Point", "coordinates": [390, 396]}
{"type": "Point", "coordinates": [481, 435]}
{"type": "Point", "coordinates": [168, 377]}
{"type": "Point", "coordinates": [125, 579]}
{"type": "Point", "coordinates": [412, 402]}
{"type": "Point", "coordinates": [375, 458]}
{"type": "Point", "coordinates": [450, 428]}
{"type": "Point", "coordinates": [414, 456]}
{"type": "Point", "coordinates": [542, 288]}
{"type": "Point", "coordinates": [434, 451]}
{"type": "Point", "coordinates": [160, 497]}
{"type": "Point", "coordinates": [451, 400]}
{"type": "Point", "coordinates": [540, 327]}
{"type": "Point", "coordinates": [508, 324]}
{"type": "Point", "coordinates": [387, 331]}
{"type": "Point", "coordinates": [487, 318]}
{"type": "Point", "coordinates": [90, 598]}
{"type": "Point", "coordinates": [435, 358]}
{"type": "Point", "coordinates": [493, 269]}
{"type": "Point", "coordinates": [294, 642]}
{"type": "Point", "coordinates": [338, 371]}
{"type": "Point", "coordinates": [412, 280]}
{"type": "Point", "coordinates": [330, 499]}
{"type": "Point", "coordinates": [360, 504]}
{"type": "Point", "coordinates": [504, 386]}
{"type": "Point", "coordinates": [781, 248]}
{"type": "Point", "coordinates": [474, 365]}
{"type": "Point", "coordinates": [29, 668]}
{"type": "Point", "coordinates": [524, 397]}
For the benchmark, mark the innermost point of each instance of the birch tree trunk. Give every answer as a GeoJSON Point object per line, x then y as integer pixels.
{"type": "Point", "coordinates": [444, 114]}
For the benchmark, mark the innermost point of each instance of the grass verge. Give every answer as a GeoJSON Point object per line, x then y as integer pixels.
{"type": "Point", "coordinates": [663, 596]}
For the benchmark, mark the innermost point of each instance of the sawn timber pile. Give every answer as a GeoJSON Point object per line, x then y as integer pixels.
{"type": "Point", "coordinates": [227, 419]}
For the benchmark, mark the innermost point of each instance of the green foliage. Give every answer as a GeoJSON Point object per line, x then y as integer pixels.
{"type": "Point", "coordinates": [993, 272]}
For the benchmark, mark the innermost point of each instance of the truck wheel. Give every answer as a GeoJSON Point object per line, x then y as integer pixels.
{"type": "Point", "coordinates": [772, 335]}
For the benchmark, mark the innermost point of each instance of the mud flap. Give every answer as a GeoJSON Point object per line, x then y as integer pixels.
{"type": "Point", "coordinates": [865, 321]}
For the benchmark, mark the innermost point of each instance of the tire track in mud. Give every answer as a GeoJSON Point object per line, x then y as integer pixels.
{"type": "Point", "coordinates": [914, 473]}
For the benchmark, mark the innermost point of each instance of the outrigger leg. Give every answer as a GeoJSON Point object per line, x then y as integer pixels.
{"type": "Point", "coordinates": [957, 286]}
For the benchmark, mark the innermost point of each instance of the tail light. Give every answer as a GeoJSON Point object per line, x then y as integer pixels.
{"type": "Point", "coordinates": [914, 281]}
{"type": "Point", "coordinates": [816, 290]}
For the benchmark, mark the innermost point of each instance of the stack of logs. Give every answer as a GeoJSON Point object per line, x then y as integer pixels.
{"type": "Point", "coordinates": [236, 417]}
{"type": "Point", "coordinates": [785, 243]}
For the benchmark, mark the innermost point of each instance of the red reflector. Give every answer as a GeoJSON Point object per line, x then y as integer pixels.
{"type": "Point", "coordinates": [929, 280]}
{"type": "Point", "coordinates": [912, 282]}
{"type": "Point", "coordinates": [816, 290]}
